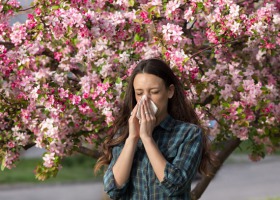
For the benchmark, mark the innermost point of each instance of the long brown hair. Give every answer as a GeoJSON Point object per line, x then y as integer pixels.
{"type": "Point", "coordinates": [176, 105]}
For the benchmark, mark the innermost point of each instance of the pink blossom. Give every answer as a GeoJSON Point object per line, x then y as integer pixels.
{"type": "Point", "coordinates": [13, 3]}
{"type": "Point", "coordinates": [106, 70]}
{"type": "Point", "coordinates": [234, 10]}
{"type": "Point", "coordinates": [71, 17]}
{"type": "Point", "coordinates": [259, 27]}
{"type": "Point", "coordinates": [172, 32]}
{"type": "Point", "coordinates": [144, 15]}
{"type": "Point", "coordinates": [59, 78]}
{"type": "Point", "coordinates": [84, 108]}
{"type": "Point", "coordinates": [57, 147]}
{"type": "Point", "coordinates": [211, 35]}
{"type": "Point", "coordinates": [38, 11]}
{"type": "Point", "coordinates": [48, 128]}
{"type": "Point", "coordinates": [57, 55]}
{"type": "Point", "coordinates": [171, 7]}
{"type": "Point", "coordinates": [9, 158]}
{"type": "Point", "coordinates": [188, 15]}
{"type": "Point", "coordinates": [85, 95]}
{"type": "Point", "coordinates": [18, 33]}
{"type": "Point", "coordinates": [11, 144]}
{"type": "Point", "coordinates": [109, 115]}
{"type": "Point", "coordinates": [91, 138]}
{"type": "Point", "coordinates": [124, 57]}
{"type": "Point", "coordinates": [86, 84]}
{"type": "Point", "coordinates": [22, 138]}
{"type": "Point", "coordinates": [150, 51]}
{"type": "Point", "coordinates": [101, 103]}
{"type": "Point", "coordinates": [250, 116]}
{"type": "Point", "coordinates": [235, 27]}
{"type": "Point", "coordinates": [76, 99]}
{"type": "Point", "coordinates": [49, 160]}
{"type": "Point", "coordinates": [248, 85]}
{"type": "Point", "coordinates": [63, 93]}
{"type": "Point", "coordinates": [25, 114]}
{"type": "Point", "coordinates": [227, 92]}
{"type": "Point", "coordinates": [240, 132]}
{"type": "Point", "coordinates": [198, 38]}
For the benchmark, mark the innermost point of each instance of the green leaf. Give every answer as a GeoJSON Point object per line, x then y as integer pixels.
{"type": "Point", "coordinates": [239, 110]}
{"type": "Point", "coordinates": [137, 38]}
{"type": "Point", "coordinates": [119, 80]}
{"type": "Point", "coordinates": [3, 165]}
{"type": "Point", "coordinates": [240, 88]}
{"type": "Point", "coordinates": [186, 59]}
{"type": "Point", "coordinates": [21, 67]}
{"type": "Point", "coordinates": [40, 26]}
{"type": "Point", "coordinates": [55, 7]}
{"type": "Point", "coordinates": [200, 5]}
{"type": "Point", "coordinates": [131, 3]}
{"type": "Point", "coordinates": [152, 9]}
{"type": "Point", "coordinates": [226, 104]}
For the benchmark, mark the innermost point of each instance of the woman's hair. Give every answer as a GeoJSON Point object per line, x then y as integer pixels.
{"type": "Point", "coordinates": [176, 105]}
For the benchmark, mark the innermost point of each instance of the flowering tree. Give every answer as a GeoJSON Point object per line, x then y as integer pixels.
{"type": "Point", "coordinates": [64, 70]}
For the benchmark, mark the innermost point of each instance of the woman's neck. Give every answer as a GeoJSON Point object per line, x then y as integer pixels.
{"type": "Point", "coordinates": [160, 118]}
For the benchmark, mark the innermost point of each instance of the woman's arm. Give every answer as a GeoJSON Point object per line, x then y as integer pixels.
{"type": "Point", "coordinates": [122, 167]}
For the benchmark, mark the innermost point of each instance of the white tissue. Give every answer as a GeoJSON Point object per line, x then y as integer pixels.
{"type": "Point", "coordinates": [153, 107]}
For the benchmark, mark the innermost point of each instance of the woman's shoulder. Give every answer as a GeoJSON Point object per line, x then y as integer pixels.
{"type": "Point", "coordinates": [179, 133]}
{"type": "Point", "coordinates": [178, 124]}
{"type": "Point", "coordinates": [186, 130]}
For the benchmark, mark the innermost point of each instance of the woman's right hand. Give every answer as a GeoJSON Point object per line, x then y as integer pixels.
{"type": "Point", "coordinates": [134, 126]}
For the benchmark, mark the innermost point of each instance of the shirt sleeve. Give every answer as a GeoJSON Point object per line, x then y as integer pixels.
{"type": "Point", "coordinates": [178, 174]}
{"type": "Point", "coordinates": [110, 186]}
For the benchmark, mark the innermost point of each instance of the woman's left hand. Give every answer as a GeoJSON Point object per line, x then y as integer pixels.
{"type": "Point", "coordinates": [148, 120]}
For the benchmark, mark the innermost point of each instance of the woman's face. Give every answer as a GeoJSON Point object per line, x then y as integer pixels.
{"type": "Point", "coordinates": [154, 88]}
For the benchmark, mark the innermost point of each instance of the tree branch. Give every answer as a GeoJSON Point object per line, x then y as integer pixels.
{"type": "Point", "coordinates": [26, 9]}
{"type": "Point", "coordinates": [88, 152]}
{"type": "Point", "coordinates": [212, 46]}
{"type": "Point", "coordinates": [228, 147]}
{"type": "Point", "coordinates": [8, 45]}
{"type": "Point", "coordinates": [28, 146]}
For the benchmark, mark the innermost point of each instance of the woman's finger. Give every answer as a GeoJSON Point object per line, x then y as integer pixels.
{"type": "Point", "coordinates": [134, 111]}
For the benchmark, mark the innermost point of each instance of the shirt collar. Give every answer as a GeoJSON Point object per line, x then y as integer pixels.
{"type": "Point", "coordinates": [167, 123]}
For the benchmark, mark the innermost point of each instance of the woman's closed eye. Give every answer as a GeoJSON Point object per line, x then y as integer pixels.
{"type": "Point", "coordinates": [154, 92]}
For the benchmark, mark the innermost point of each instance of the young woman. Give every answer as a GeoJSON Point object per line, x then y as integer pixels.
{"type": "Point", "coordinates": [157, 156]}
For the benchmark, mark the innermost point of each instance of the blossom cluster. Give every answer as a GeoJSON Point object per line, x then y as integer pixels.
{"type": "Point", "coordinates": [63, 72]}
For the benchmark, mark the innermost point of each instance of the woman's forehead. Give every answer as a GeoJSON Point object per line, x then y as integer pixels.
{"type": "Point", "coordinates": [145, 80]}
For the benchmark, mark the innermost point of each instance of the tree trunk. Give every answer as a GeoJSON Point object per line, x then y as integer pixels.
{"type": "Point", "coordinates": [227, 148]}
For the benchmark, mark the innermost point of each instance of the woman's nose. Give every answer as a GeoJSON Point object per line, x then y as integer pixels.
{"type": "Point", "coordinates": [148, 95]}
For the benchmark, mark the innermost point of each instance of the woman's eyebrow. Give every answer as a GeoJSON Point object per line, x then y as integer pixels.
{"type": "Point", "coordinates": [153, 88]}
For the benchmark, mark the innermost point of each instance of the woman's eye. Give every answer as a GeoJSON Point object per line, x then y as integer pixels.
{"type": "Point", "coordinates": [139, 94]}
{"type": "Point", "coordinates": [154, 92]}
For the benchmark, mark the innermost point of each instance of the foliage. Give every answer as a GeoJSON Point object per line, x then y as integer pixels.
{"type": "Point", "coordinates": [64, 71]}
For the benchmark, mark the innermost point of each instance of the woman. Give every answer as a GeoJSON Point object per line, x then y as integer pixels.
{"type": "Point", "coordinates": [158, 156]}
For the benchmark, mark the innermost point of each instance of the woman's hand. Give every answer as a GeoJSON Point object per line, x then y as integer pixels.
{"type": "Point", "coordinates": [148, 120]}
{"type": "Point", "coordinates": [133, 123]}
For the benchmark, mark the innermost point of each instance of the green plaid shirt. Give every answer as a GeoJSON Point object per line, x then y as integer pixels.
{"type": "Point", "coordinates": [181, 145]}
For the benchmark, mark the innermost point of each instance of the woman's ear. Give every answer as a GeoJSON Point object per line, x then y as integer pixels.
{"type": "Point", "coordinates": [171, 89]}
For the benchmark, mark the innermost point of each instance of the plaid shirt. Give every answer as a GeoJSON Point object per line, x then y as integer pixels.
{"type": "Point", "coordinates": [181, 145]}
